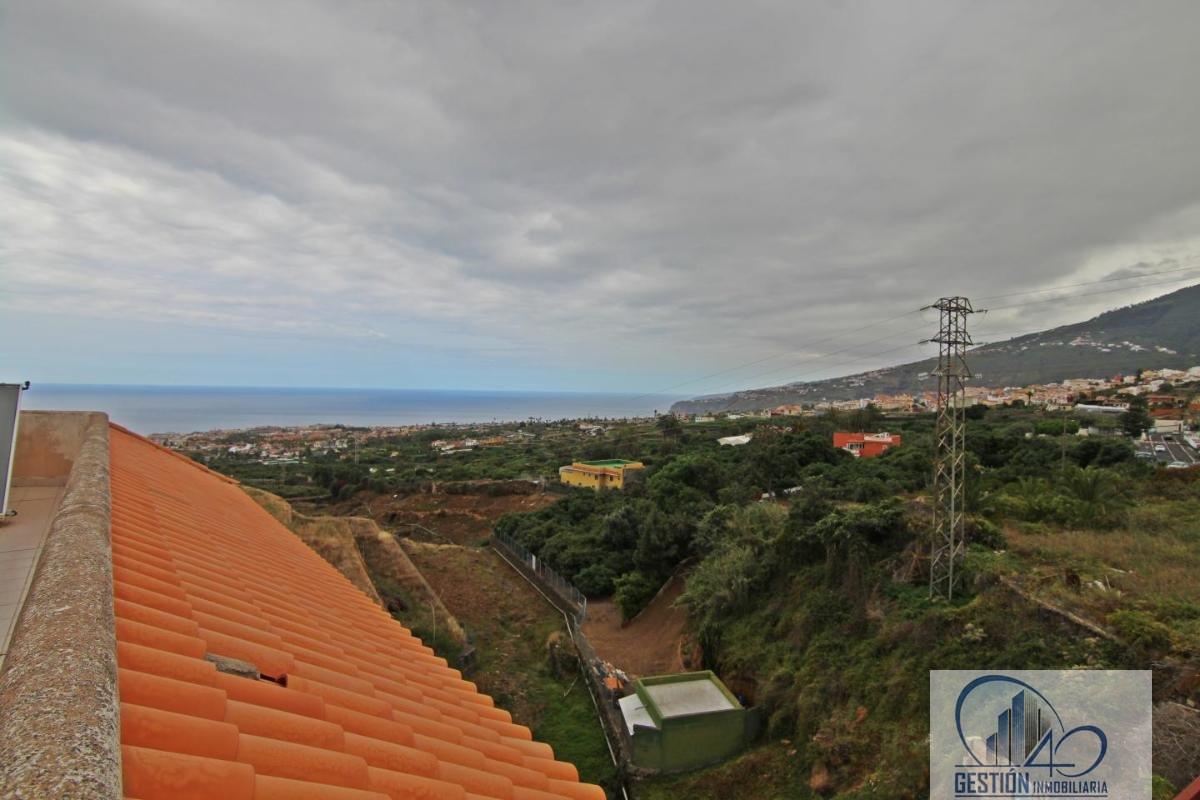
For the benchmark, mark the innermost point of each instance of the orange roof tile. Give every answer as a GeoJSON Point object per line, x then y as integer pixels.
{"type": "Point", "coordinates": [1191, 791]}
{"type": "Point", "coordinates": [352, 705]}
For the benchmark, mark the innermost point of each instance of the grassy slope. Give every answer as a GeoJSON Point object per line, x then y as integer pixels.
{"type": "Point", "coordinates": [848, 691]}
{"type": "Point", "coordinates": [510, 625]}
{"type": "Point", "coordinates": [1149, 566]}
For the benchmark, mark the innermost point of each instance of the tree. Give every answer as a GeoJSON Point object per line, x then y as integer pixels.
{"type": "Point", "coordinates": [664, 541]}
{"type": "Point", "coordinates": [1101, 496]}
{"type": "Point", "coordinates": [1136, 420]}
{"type": "Point", "coordinates": [864, 419]}
{"type": "Point", "coordinates": [595, 580]}
{"type": "Point", "coordinates": [686, 481]}
{"type": "Point", "coordinates": [669, 425]}
{"type": "Point", "coordinates": [633, 591]}
{"type": "Point", "coordinates": [713, 530]}
{"type": "Point", "coordinates": [1102, 452]}
{"type": "Point", "coordinates": [622, 527]}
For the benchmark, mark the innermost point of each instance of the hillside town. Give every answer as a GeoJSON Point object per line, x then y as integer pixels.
{"type": "Point", "coordinates": [280, 445]}
{"type": "Point", "coordinates": [1086, 394]}
{"type": "Point", "coordinates": [290, 444]}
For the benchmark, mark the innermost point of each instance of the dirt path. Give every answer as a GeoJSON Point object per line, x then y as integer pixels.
{"type": "Point", "coordinates": [649, 644]}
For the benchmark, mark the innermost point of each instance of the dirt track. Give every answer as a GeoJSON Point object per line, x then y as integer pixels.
{"type": "Point", "coordinates": [649, 644]}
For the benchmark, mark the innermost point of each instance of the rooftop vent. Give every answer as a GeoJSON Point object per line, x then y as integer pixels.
{"type": "Point", "coordinates": [10, 406]}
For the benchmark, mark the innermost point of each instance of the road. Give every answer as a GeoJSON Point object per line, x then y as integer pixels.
{"type": "Point", "coordinates": [1175, 449]}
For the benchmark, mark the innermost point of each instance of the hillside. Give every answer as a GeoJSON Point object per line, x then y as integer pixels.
{"type": "Point", "coordinates": [467, 604]}
{"type": "Point", "coordinates": [1156, 334]}
{"type": "Point", "coordinates": [374, 562]}
{"type": "Point", "coordinates": [815, 608]}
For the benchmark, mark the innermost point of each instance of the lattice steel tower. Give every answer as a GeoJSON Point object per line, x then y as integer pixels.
{"type": "Point", "coordinates": [949, 459]}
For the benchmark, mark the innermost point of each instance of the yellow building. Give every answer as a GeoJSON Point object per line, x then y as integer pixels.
{"type": "Point", "coordinates": [608, 474]}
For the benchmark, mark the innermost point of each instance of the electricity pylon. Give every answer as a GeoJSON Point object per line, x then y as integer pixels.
{"type": "Point", "coordinates": [949, 458]}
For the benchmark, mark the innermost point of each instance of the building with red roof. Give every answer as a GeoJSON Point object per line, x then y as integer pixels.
{"type": "Point", "coordinates": [865, 445]}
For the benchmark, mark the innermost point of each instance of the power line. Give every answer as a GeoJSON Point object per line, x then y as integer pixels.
{"type": "Point", "coordinates": [831, 337]}
{"type": "Point", "coordinates": [827, 355]}
{"type": "Point", "coordinates": [1090, 294]}
{"type": "Point", "coordinates": [843, 364]}
{"type": "Point", "coordinates": [1008, 334]}
{"type": "Point", "coordinates": [1090, 283]}
{"type": "Point", "coordinates": [1042, 362]}
{"type": "Point", "coordinates": [839, 334]}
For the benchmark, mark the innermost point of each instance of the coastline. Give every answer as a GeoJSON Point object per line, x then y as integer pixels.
{"type": "Point", "coordinates": [185, 409]}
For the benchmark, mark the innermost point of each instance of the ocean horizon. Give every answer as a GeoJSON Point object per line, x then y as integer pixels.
{"type": "Point", "coordinates": [186, 409]}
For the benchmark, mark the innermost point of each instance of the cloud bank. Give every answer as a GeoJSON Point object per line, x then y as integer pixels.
{"type": "Point", "coordinates": [589, 196]}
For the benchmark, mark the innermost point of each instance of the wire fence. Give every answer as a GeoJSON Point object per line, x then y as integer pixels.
{"type": "Point", "coordinates": [561, 587]}
{"type": "Point", "coordinates": [593, 669]}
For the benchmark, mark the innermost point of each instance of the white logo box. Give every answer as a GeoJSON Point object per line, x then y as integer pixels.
{"type": "Point", "coordinates": [1040, 734]}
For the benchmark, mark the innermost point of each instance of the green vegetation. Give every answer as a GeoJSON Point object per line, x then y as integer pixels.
{"type": "Point", "coordinates": [817, 597]}
{"type": "Point", "coordinates": [406, 462]}
{"type": "Point", "coordinates": [627, 544]}
{"type": "Point", "coordinates": [806, 585]}
{"type": "Point", "coordinates": [1136, 420]}
{"type": "Point", "coordinates": [558, 705]}
{"type": "Point", "coordinates": [523, 656]}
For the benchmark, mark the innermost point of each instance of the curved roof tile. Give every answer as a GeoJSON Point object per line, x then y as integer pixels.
{"type": "Point", "coordinates": [352, 705]}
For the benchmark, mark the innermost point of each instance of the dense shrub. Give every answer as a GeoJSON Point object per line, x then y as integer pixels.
{"type": "Point", "coordinates": [1145, 635]}
{"type": "Point", "coordinates": [595, 580]}
{"type": "Point", "coordinates": [984, 533]}
{"type": "Point", "coordinates": [633, 591]}
{"type": "Point", "coordinates": [1056, 427]}
{"type": "Point", "coordinates": [1102, 452]}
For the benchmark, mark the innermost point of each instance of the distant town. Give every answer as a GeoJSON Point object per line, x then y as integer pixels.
{"type": "Point", "coordinates": [1172, 413]}
{"type": "Point", "coordinates": [284, 445]}
{"type": "Point", "coordinates": [1101, 393]}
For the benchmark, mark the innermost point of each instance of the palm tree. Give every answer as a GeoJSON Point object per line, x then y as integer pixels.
{"type": "Point", "coordinates": [1099, 491]}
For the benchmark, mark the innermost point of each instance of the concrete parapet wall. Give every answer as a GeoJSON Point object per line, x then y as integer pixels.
{"type": "Point", "coordinates": [59, 709]}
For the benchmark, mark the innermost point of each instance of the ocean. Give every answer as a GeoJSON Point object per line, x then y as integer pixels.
{"type": "Point", "coordinates": [184, 409]}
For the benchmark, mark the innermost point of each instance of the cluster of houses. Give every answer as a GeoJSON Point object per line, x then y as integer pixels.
{"type": "Point", "coordinates": [1069, 393]}
{"type": "Point", "coordinates": [272, 445]}
{"type": "Point", "coordinates": [448, 446]}
{"type": "Point", "coordinates": [284, 445]}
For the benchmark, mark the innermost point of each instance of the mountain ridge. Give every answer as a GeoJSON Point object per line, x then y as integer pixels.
{"type": "Point", "coordinates": [1163, 332]}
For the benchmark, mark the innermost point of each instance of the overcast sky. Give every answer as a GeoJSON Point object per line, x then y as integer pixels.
{"type": "Point", "coordinates": [592, 196]}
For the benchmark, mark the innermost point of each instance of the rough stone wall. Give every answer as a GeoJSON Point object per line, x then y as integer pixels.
{"type": "Point", "coordinates": [59, 709]}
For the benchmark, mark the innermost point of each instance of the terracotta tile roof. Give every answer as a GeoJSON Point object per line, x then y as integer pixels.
{"type": "Point", "coordinates": [1191, 791]}
{"type": "Point", "coordinates": [351, 704]}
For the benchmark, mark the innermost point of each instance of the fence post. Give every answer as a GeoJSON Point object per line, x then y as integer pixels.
{"type": "Point", "coordinates": [559, 585]}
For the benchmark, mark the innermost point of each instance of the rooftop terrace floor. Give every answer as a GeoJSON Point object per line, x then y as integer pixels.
{"type": "Point", "coordinates": [21, 540]}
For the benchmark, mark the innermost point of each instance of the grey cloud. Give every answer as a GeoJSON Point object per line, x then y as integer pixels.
{"type": "Point", "coordinates": [724, 179]}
